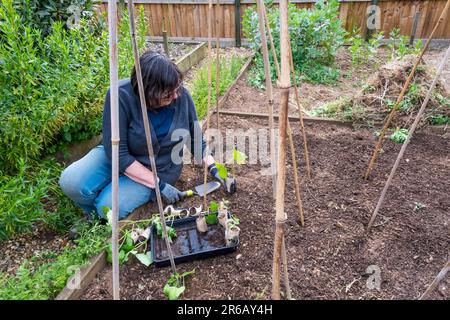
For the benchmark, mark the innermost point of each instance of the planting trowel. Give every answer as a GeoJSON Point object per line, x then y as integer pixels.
{"type": "Point", "coordinates": [202, 189]}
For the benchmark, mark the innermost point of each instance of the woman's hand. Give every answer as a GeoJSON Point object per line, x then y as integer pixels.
{"type": "Point", "coordinates": [215, 173]}
{"type": "Point", "coordinates": [169, 192]}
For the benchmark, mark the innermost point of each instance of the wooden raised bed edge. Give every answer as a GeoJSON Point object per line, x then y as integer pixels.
{"type": "Point", "coordinates": [224, 98]}
{"type": "Point", "coordinates": [192, 58]}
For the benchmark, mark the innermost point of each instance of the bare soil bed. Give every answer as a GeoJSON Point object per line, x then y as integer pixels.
{"type": "Point", "coordinates": [351, 80]}
{"type": "Point", "coordinates": [328, 258]}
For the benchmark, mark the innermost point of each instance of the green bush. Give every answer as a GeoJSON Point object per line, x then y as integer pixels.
{"type": "Point", "coordinates": [41, 14]}
{"type": "Point", "coordinates": [228, 70]}
{"type": "Point", "coordinates": [316, 34]}
{"type": "Point", "coordinates": [399, 45]}
{"type": "Point", "coordinates": [20, 201]}
{"type": "Point", "coordinates": [52, 87]}
{"type": "Point", "coordinates": [362, 51]}
{"type": "Point", "coordinates": [33, 195]}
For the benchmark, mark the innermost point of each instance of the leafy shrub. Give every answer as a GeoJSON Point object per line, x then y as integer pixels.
{"type": "Point", "coordinates": [363, 51]}
{"type": "Point", "coordinates": [399, 45]}
{"type": "Point", "coordinates": [316, 34]}
{"type": "Point", "coordinates": [34, 196]}
{"type": "Point", "coordinates": [229, 69]}
{"type": "Point", "coordinates": [52, 88]}
{"type": "Point", "coordinates": [20, 201]}
{"type": "Point", "coordinates": [41, 14]}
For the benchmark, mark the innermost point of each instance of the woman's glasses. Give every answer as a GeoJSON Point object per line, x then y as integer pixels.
{"type": "Point", "coordinates": [172, 93]}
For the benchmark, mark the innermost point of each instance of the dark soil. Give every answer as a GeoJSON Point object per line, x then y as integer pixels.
{"type": "Point", "coordinates": [312, 96]}
{"type": "Point", "coordinates": [351, 81]}
{"type": "Point", "coordinates": [329, 257]}
{"type": "Point", "coordinates": [40, 244]}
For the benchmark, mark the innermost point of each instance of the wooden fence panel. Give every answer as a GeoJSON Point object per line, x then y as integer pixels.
{"type": "Point", "coordinates": [188, 18]}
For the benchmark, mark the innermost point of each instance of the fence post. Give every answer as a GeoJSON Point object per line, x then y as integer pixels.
{"type": "Point", "coordinates": [369, 31]}
{"type": "Point", "coordinates": [414, 28]}
{"type": "Point", "coordinates": [237, 22]}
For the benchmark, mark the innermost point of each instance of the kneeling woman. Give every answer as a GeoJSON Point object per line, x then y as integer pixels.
{"type": "Point", "coordinates": [173, 120]}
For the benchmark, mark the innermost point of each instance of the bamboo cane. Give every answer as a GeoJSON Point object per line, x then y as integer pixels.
{"type": "Point", "coordinates": [274, 53]}
{"type": "Point", "coordinates": [269, 90]}
{"type": "Point", "coordinates": [281, 178]}
{"type": "Point", "coordinates": [148, 137]}
{"type": "Point", "coordinates": [208, 106]}
{"type": "Point", "coordinates": [285, 270]}
{"type": "Point", "coordinates": [272, 46]}
{"type": "Point", "coordinates": [300, 116]}
{"type": "Point", "coordinates": [402, 93]}
{"type": "Point", "coordinates": [436, 281]}
{"type": "Point", "coordinates": [217, 64]}
{"type": "Point", "coordinates": [164, 35]}
{"type": "Point", "coordinates": [291, 142]}
{"type": "Point", "coordinates": [408, 138]}
{"type": "Point", "coordinates": [115, 139]}
{"type": "Point", "coordinates": [296, 178]}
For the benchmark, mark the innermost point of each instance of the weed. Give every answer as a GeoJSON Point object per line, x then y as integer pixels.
{"type": "Point", "coordinates": [399, 135]}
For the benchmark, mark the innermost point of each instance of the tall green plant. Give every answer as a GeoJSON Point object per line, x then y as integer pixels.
{"type": "Point", "coordinates": [52, 87]}
{"type": "Point", "coordinates": [20, 201]}
{"type": "Point", "coordinates": [229, 69]}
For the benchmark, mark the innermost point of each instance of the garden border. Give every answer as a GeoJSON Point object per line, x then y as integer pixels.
{"type": "Point", "coordinates": [192, 58]}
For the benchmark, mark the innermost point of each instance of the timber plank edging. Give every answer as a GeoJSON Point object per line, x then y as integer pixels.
{"type": "Point", "coordinates": [192, 58]}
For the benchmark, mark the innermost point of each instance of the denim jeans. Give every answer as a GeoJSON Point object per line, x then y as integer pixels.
{"type": "Point", "coordinates": [88, 183]}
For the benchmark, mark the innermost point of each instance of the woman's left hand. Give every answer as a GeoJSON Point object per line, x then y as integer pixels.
{"type": "Point", "coordinates": [215, 173]}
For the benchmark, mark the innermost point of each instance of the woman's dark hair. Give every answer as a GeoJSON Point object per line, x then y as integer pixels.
{"type": "Point", "coordinates": [159, 75]}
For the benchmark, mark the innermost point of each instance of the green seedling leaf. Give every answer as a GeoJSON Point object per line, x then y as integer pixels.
{"type": "Point", "coordinates": [128, 244]}
{"type": "Point", "coordinates": [171, 233]}
{"type": "Point", "coordinates": [145, 259]}
{"type": "Point", "coordinates": [239, 157]}
{"type": "Point", "coordinates": [223, 172]}
{"type": "Point", "coordinates": [213, 206]}
{"type": "Point", "coordinates": [211, 218]}
{"type": "Point", "coordinates": [187, 273]}
{"type": "Point", "coordinates": [122, 257]}
{"type": "Point", "coordinates": [108, 213]}
{"type": "Point", "coordinates": [173, 293]}
{"type": "Point", "coordinates": [109, 253]}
